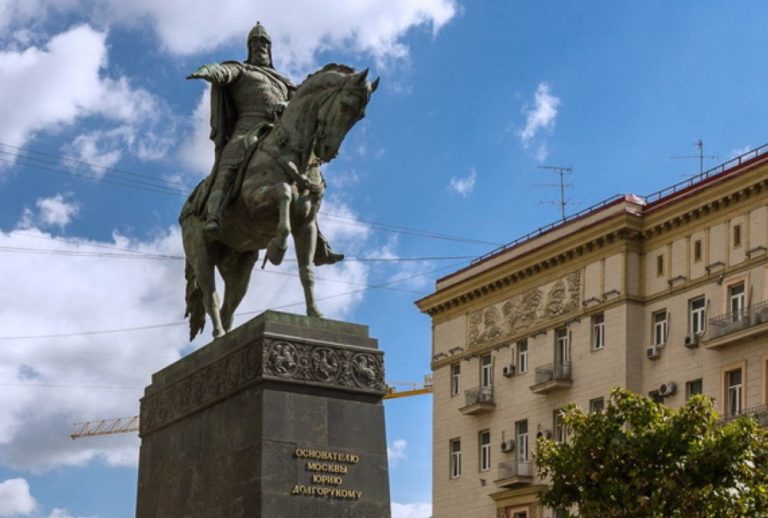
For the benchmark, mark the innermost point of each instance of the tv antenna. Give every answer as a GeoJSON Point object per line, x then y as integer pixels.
{"type": "Point", "coordinates": [700, 155]}
{"type": "Point", "coordinates": [561, 172]}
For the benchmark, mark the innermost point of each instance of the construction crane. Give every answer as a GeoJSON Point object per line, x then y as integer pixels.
{"type": "Point", "coordinates": [131, 424]}
{"type": "Point", "coordinates": [105, 427]}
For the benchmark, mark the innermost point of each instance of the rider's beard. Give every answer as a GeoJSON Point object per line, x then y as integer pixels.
{"type": "Point", "coordinates": [260, 57]}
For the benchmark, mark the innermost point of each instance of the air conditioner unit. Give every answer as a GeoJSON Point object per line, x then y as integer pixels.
{"type": "Point", "coordinates": [508, 445]}
{"type": "Point", "coordinates": [508, 370]}
{"type": "Point", "coordinates": [547, 434]}
{"type": "Point", "coordinates": [667, 389]}
{"type": "Point", "coordinates": [692, 341]}
{"type": "Point", "coordinates": [653, 353]}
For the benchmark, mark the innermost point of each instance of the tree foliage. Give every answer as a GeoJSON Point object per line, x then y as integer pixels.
{"type": "Point", "coordinates": [642, 459]}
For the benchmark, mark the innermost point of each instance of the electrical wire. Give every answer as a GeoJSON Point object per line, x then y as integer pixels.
{"type": "Point", "coordinates": [261, 310]}
{"type": "Point", "coordinates": [45, 161]}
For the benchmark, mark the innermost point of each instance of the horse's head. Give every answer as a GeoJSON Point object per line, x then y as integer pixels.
{"type": "Point", "coordinates": [340, 111]}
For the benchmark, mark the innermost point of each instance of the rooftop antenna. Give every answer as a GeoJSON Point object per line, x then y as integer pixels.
{"type": "Point", "coordinates": [700, 155]}
{"type": "Point", "coordinates": [561, 172]}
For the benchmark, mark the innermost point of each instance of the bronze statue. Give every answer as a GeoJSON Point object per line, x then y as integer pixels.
{"type": "Point", "coordinates": [246, 99]}
{"type": "Point", "coordinates": [271, 138]}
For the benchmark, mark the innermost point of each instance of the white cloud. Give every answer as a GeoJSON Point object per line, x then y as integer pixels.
{"type": "Point", "coordinates": [540, 117]}
{"type": "Point", "coordinates": [396, 453]}
{"type": "Point", "coordinates": [63, 291]}
{"type": "Point", "coordinates": [56, 211]}
{"type": "Point", "coordinates": [414, 510]}
{"type": "Point", "coordinates": [464, 185]}
{"type": "Point", "coordinates": [15, 498]}
{"type": "Point", "coordinates": [197, 151]}
{"type": "Point", "coordinates": [375, 27]}
{"type": "Point", "coordinates": [60, 83]}
{"type": "Point", "coordinates": [63, 513]}
{"type": "Point", "coordinates": [741, 151]}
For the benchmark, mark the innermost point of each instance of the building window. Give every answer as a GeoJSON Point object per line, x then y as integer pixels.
{"type": "Point", "coordinates": [736, 236]}
{"type": "Point", "coordinates": [697, 312]}
{"type": "Point", "coordinates": [485, 450]}
{"type": "Point", "coordinates": [522, 356]}
{"type": "Point", "coordinates": [486, 370]}
{"type": "Point", "coordinates": [660, 327]}
{"type": "Point", "coordinates": [598, 331]}
{"type": "Point", "coordinates": [734, 392]}
{"type": "Point", "coordinates": [455, 379]}
{"type": "Point", "coordinates": [596, 405]}
{"type": "Point", "coordinates": [697, 251]}
{"type": "Point", "coordinates": [558, 427]}
{"type": "Point", "coordinates": [455, 449]}
{"type": "Point", "coordinates": [693, 387]}
{"type": "Point", "coordinates": [659, 265]}
{"type": "Point", "coordinates": [562, 352]}
{"type": "Point", "coordinates": [521, 433]}
{"type": "Point", "coordinates": [736, 300]}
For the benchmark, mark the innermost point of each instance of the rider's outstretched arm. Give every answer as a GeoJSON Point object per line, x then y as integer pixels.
{"type": "Point", "coordinates": [217, 73]}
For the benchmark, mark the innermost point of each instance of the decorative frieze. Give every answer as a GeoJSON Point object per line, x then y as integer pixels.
{"type": "Point", "coordinates": [521, 312]}
{"type": "Point", "coordinates": [325, 365]}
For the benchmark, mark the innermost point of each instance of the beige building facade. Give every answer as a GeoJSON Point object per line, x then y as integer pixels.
{"type": "Point", "coordinates": [666, 295]}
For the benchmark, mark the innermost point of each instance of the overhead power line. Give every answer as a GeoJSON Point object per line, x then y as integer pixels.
{"type": "Point", "coordinates": [57, 163]}
{"type": "Point", "coordinates": [261, 310]}
{"type": "Point", "coordinates": [127, 253]}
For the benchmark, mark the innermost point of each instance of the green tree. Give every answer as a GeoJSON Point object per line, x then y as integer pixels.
{"type": "Point", "coordinates": [642, 459]}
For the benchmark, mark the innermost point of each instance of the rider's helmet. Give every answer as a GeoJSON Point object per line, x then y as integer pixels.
{"type": "Point", "coordinates": [259, 32]}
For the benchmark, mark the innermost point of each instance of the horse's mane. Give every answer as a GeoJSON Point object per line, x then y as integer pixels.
{"type": "Point", "coordinates": [326, 77]}
{"type": "Point", "coordinates": [336, 67]}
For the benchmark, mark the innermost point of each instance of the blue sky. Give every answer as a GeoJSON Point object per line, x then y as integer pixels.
{"type": "Point", "coordinates": [474, 97]}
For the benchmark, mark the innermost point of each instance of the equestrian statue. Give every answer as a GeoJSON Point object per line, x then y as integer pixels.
{"type": "Point", "coordinates": [270, 139]}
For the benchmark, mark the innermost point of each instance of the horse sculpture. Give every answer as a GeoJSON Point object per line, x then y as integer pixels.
{"type": "Point", "coordinates": [280, 190]}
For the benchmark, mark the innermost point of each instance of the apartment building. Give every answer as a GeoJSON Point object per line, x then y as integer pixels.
{"type": "Point", "coordinates": [666, 295]}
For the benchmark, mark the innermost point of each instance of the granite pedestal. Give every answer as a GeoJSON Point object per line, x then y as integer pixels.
{"type": "Point", "coordinates": [280, 418]}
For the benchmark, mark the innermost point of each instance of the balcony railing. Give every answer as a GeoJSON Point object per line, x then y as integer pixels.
{"type": "Point", "coordinates": [736, 321]}
{"type": "Point", "coordinates": [554, 371]}
{"type": "Point", "coordinates": [553, 376]}
{"type": "Point", "coordinates": [758, 412]}
{"type": "Point", "coordinates": [512, 473]}
{"type": "Point", "coordinates": [478, 399]}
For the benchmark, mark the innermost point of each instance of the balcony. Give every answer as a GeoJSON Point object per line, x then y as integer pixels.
{"type": "Point", "coordinates": [552, 377]}
{"type": "Point", "coordinates": [478, 400]}
{"type": "Point", "coordinates": [513, 473]}
{"type": "Point", "coordinates": [749, 323]}
{"type": "Point", "coordinates": [758, 412]}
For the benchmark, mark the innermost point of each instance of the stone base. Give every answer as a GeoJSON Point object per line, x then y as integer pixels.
{"type": "Point", "coordinates": [280, 418]}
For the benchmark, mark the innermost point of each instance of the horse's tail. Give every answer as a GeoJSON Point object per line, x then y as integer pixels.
{"type": "Point", "coordinates": [195, 308]}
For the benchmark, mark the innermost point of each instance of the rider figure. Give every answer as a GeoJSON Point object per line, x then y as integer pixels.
{"type": "Point", "coordinates": [246, 100]}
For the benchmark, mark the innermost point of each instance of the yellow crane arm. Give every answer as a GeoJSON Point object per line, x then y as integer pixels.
{"type": "Point", "coordinates": [131, 424]}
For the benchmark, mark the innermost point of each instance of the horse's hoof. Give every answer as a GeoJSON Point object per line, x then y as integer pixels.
{"type": "Point", "coordinates": [276, 250]}
{"type": "Point", "coordinates": [218, 333]}
{"type": "Point", "coordinates": [314, 312]}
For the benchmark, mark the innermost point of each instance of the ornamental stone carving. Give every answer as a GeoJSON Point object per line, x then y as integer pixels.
{"type": "Point", "coordinates": [366, 370]}
{"type": "Point", "coordinates": [326, 365]}
{"type": "Point", "coordinates": [522, 311]}
{"type": "Point", "coordinates": [282, 359]}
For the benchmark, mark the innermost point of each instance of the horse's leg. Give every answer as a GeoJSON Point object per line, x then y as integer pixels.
{"type": "Point", "coordinates": [305, 241]}
{"type": "Point", "coordinates": [206, 279]}
{"type": "Point", "coordinates": [201, 256]}
{"type": "Point", "coordinates": [236, 270]}
{"type": "Point", "coordinates": [279, 195]}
